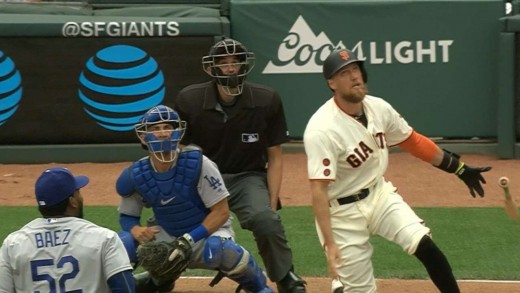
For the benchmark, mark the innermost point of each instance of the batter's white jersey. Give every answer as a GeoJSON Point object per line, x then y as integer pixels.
{"type": "Point", "coordinates": [61, 255]}
{"type": "Point", "coordinates": [341, 149]}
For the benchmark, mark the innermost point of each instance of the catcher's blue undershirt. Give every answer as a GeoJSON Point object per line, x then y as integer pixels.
{"type": "Point", "coordinates": [128, 222]}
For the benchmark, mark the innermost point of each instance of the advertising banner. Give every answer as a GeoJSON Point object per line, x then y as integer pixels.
{"type": "Point", "coordinates": [434, 61]}
{"type": "Point", "coordinates": [90, 90]}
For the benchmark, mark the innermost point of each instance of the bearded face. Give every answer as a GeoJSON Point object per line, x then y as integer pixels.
{"type": "Point", "coordinates": [348, 84]}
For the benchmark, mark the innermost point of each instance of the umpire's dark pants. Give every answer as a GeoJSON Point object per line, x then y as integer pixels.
{"type": "Point", "coordinates": [249, 201]}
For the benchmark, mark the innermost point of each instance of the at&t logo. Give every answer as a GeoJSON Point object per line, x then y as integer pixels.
{"type": "Point", "coordinates": [10, 88]}
{"type": "Point", "coordinates": [119, 84]}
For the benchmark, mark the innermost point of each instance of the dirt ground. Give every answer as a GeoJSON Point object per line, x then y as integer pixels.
{"type": "Point", "coordinates": [419, 183]}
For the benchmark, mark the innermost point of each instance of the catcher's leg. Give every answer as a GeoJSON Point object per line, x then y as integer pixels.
{"type": "Point", "coordinates": [144, 282]}
{"type": "Point", "coordinates": [236, 263]}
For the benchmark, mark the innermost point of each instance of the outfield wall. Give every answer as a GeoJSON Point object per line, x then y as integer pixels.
{"type": "Point", "coordinates": [445, 66]}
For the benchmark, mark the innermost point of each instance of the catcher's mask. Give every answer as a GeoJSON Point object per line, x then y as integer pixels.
{"type": "Point", "coordinates": [340, 58]}
{"type": "Point", "coordinates": [245, 61]}
{"type": "Point", "coordinates": [164, 147]}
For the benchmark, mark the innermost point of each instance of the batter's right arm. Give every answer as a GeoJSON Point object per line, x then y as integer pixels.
{"type": "Point", "coordinates": [320, 207]}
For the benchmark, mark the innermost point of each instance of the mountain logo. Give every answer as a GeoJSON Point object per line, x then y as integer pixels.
{"type": "Point", "coordinates": [302, 51]}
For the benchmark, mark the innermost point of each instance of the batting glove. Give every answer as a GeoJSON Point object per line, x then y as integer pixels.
{"type": "Point", "coordinates": [472, 177]}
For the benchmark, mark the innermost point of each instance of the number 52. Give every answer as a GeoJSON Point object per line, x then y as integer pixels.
{"type": "Point", "coordinates": [35, 264]}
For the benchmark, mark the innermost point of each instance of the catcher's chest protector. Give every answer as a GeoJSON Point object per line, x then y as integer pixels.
{"type": "Point", "coordinates": [173, 195]}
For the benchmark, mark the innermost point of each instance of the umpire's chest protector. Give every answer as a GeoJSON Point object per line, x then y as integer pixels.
{"type": "Point", "coordinates": [173, 195]}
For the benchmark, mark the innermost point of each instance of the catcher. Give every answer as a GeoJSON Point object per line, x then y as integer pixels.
{"type": "Point", "coordinates": [192, 225]}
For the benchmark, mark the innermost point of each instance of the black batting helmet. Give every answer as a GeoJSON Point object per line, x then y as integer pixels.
{"type": "Point", "coordinates": [340, 58]}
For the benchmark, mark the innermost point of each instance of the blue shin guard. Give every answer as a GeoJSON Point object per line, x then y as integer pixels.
{"type": "Point", "coordinates": [236, 263]}
{"type": "Point", "coordinates": [250, 277]}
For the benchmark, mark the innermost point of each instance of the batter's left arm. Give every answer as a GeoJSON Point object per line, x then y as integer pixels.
{"type": "Point", "coordinates": [274, 174]}
{"type": "Point", "coordinates": [425, 149]}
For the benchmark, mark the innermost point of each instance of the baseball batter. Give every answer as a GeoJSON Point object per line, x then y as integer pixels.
{"type": "Point", "coordinates": [62, 252]}
{"type": "Point", "coordinates": [346, 142]}
{"type": "Point", "coordinates": [189, 200]}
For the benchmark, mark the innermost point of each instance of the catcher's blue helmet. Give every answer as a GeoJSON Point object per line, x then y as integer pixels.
{"type": "Point", "coordinates": [158, 115]}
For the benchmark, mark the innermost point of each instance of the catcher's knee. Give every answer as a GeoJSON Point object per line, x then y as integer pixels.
{"type": "Point", "coordinates": [130, 245]}
{"type": "Point", "coordinates": [225, 255]}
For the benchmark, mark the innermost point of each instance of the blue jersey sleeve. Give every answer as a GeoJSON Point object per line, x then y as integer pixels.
{"type": "Point", "coordinates": [127, 222]}
{"type": "Point", "coordinates": [122, 282]}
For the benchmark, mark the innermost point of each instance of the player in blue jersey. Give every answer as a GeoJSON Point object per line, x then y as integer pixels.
{"type": "Point", "coordinates": [189, 201]}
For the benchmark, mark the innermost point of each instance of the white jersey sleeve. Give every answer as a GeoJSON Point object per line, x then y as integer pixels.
{"type": "Point", "coordinates": [319, 149]}
{"type": "Point", "coordinates": [397, 129]}
{"type": "Point", "coordinates": [6, 272]}
{"type": "Point", "coordinates": [211, 185]}
{"type": "Point", "coordinates": [69, 252]}
{"type": "Point", "coordinates": [115, 261]}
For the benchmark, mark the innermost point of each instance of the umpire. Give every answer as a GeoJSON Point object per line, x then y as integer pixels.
{"type": "Point", "coordinates": [241, 126]}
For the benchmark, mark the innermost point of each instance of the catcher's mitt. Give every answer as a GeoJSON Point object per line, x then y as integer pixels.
{"type": "Point", "coordinates": [153, 257]}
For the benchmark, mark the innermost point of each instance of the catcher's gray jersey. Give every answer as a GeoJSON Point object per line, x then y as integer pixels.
{"type": "Point", "coordinates": [61, 255]}
{"type": "Point", "coordinates": [133, 205]}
